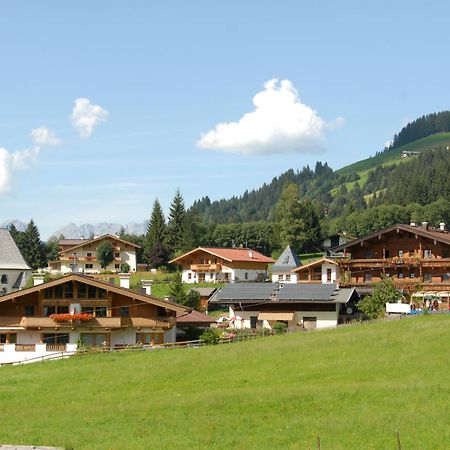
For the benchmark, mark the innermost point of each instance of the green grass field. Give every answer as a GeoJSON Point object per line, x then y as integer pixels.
{"type": "Point", "coordinates": [354, 386]}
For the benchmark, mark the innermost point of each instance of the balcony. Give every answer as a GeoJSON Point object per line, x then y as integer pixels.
{"type": "Point", "coordinates": [206, 267]}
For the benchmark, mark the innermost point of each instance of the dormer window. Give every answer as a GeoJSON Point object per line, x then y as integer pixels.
{"type": "Point", "coordinates": [4, 279]}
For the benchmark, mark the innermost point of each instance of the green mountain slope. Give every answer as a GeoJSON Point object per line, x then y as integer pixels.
{"type": "Point", "coordinates": [394, 156]}
{"type": "Point", "coordinates": [354, 386]}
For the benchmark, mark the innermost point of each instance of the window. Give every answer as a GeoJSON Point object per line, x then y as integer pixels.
{"type": "Point", "coordinates": [400, 275]}
{"type": "Point", "coordinates": [68, 290]}
{"type": "Point", "coordinates": [253, 321]}
{"type": "Point", "coordinates": [328, 275]}
{"type": "Point", "coordinates": [412, 275]}
{"type": "Point", "coordinates": [280, 277]}
{"type": "Point", "coordinates": [55, 338]}
{"type": "Point", "coordinates": [100, 311]}
{"type": "Point", "coordinates": [427, 277]}
{"type": "Point", "coordinates": [28, 310]}
{"type": "Point", "coordinates": [367, 277]}
{"type": "Point", "coordinates": [189, 276]}
{"type": "Point", "coordinates": [124, 311]}
{"type": "Point", "coordinates": [89, 255]}
{"type": "Point", "coordinates": [61, 309]}
{"type": "Point", "coordinates": [246, 276]}
{"type": "Point", "coordinates": [92, 291]}
{"type": "Point", "coordinates": [59, 291]}
{"type": "Point", "coordinates": [427, 253]}
{"type": "Point", "coordinates": [150, 338]}
{"type": "Point", "coordinates": [116, 266]}
{"type": "Point", "coordinates": [82, 290]}
{"type": "Point", "coordinates": [94, 339]}
{"type": "Point", "coordinates": [400, 253]}
{"type": "Point", "coordinates": [116, 255]}
{"type": "Point", "coordinates": [227, 276]}
{"type": "Point", "coordinates": [386, 253]}
{"type": "Point", "coordinates": [8, 338]}
{"type": "Point", "coordinates": [89, 266]}
{"type": "Point", "coordinates": [288, 277]}
{"type": "Point", "coordinates": [445, 276]}
{"type": "Point", "coordinates": [4, 279]}
{"type": "Point", "coordinates": [446, 253]}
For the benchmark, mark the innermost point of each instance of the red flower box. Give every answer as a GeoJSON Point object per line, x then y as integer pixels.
{"type": "Point", "coordinates": [68, 317]}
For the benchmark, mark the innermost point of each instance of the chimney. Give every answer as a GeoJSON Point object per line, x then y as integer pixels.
{"type": "Point", "coordinates": [425, 225]}
{"type": "Point", "coordinates": [442, 226]}
{"type": "Point", "coordinates": [124, 280]}
{"type": "Point", "coordinates": [38, 278]}
{"type": "Point", "coordinates": [250, 253]}
{"type": "Point", "coordinates": [147, 286]}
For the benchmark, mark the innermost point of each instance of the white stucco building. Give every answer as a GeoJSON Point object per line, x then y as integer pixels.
{"type": "Point", "coordinates": [80, 255]}
{"type": "Point", "coordinates": [282, 270]}
{"type": "Point", "coordinates": [14, 270]}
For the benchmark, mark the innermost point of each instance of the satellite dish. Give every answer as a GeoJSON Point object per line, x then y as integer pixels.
{"type": "Point", "coordinates": [349, 310]}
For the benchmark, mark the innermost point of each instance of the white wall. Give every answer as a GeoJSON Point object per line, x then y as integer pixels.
{"type": "Point", "coordinates": [12, 276]}
{"type": "Point", "coordinates": [334, 273]}
{"type": "Point", "coordinates": [276, 277]}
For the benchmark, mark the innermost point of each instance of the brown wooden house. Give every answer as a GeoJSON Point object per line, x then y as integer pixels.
{"type": "Point", "coordinates": [416, 256]}
{"type": "Point", "coordinates": [77, 308]}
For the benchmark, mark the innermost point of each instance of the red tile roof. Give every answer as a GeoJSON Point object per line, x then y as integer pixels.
{"type": "Point", "coordinates": [230, 254]}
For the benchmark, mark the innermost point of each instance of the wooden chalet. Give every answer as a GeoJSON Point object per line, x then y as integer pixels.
{"type": "Point", "coordinates": [79, 309]}
{"type": "Point", "coordinates": [416, 256]}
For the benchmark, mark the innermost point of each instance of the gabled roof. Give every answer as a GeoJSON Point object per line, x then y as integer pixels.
{"type": "Point", "coordinates": [318, 262]}
{"type": "Point", "coordinates": [100, 284]}
{"type": "Point", "coordinates": [274, 293]}
{"type": "Point", "coordinates": [91, 241]}
{"type": "Point", "coordinates": [10, 256]}
{"type": "Point", "coordinates": [430, 233]}
{"type": "Point", "coordinates": [287, 261]}
{"type": "Point", "coordinates": [228, 254]}
{"type": "Point", "coordinates": [194, 317]}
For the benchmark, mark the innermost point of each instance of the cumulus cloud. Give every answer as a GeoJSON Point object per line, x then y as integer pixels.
{"type": "Point", "coordinates": [280, 123]}
{"type": "Point", "coordinates": [44, 137]}
{"type": "Point", "coordinates": [86, 116]}
{"type": "Point", "coordinates": [10, 162]}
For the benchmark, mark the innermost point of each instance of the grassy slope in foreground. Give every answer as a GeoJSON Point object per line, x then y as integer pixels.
{"type": "Point", "coordinates": [354, 386]}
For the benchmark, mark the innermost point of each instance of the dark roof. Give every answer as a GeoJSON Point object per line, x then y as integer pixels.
{"type": "Point", "coordinates": [287, 261]}
{"type": "Point", "coordinates": [204, 291]}
{"type": "Point", "coordinates": [10, 256]}
{"type": "Point", "coordinates": [430, 233]}
{"type": "Point", "coordinates": [282, 293]}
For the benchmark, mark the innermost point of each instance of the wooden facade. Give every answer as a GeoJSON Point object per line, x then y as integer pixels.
{"type": "Point", "coordinates": [415, 256]}
{"type": "Point", "coordinates": [77, 308]}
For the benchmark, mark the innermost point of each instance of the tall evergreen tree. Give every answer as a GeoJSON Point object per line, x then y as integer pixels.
{"type": "Point", "coordinates": [175, 227]}
{"type": "Point", "coordinates": [33, 248]}
{"type": "Point", "coordinates": [154, 248]}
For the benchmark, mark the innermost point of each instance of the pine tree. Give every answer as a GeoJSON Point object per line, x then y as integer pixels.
{"type": "Point", "coordinates": [33, 249]}
{"type": "Point", "coordinates": [154, 249]}
{"type": "Point", "coordinates": [175, 227]}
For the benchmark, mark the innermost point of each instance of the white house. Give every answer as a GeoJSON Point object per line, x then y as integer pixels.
{"type": "Point", "coordinates": [284, 265]}
{"type": "Point", "coordinates": [14, 270]}
{"type": "Point", "coordinates": [299, 306]}
{"type": "Point", "coordinates": [80, 255]}
{"type": "Point", "coordinates": [207, 264]}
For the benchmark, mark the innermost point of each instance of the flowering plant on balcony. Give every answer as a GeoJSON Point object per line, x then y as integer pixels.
{"type": "Point", "coordinates": [67, 317]}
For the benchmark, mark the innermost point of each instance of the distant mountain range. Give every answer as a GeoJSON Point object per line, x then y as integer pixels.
{"type": "Point", "coordinates": [86, 230]}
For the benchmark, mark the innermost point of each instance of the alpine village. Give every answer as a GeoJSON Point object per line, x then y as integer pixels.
{"type": "Point", "coordinates": [315, 268]}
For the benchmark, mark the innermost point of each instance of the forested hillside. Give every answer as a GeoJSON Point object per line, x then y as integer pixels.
{"type": "Point", "coordinates": [364, 196]}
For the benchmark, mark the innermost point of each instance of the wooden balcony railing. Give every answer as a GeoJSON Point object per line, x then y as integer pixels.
{"type": "Point", "coordinates": [206, 267]}
{"type": "Point", "coordinates": [56, 347]}
{"type": "Point", "coordinates": [25, 347]}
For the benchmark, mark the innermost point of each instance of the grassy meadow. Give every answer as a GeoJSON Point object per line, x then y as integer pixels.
{"type": "Point", "coordinates": [354, 386]}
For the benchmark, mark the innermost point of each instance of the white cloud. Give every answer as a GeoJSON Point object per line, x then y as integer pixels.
{"type": "Point", "coordinates": [44, 137]}
{"type": "Point", "coordinates": [86, 116]}
{"type": "Point", "coordinates": [280, 123]}
{"type": "Point", "coordinates": [10, 162]}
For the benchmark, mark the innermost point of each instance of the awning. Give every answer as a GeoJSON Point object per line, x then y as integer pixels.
{"type": "Point", "coordinates": [276, 316]}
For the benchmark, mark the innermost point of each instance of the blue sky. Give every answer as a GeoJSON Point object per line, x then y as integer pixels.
{"type": "Point", "coordinates": [158, 77]}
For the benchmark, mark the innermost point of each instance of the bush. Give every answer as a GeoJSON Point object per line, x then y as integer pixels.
{"type": "Point", "coordinates": [210, 337]}
{"type": "Point", "coordinates": [279, 328]}
{"type": "Point", "coordinates": [125, 268]}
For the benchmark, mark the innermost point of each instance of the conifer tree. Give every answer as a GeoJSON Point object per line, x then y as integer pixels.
{"type": "Point", "coordinates": [155, 252]}
{"type": "Point", "coordinates": [33, 249]}
{"type": "Point", "coordinates": [175, 227]}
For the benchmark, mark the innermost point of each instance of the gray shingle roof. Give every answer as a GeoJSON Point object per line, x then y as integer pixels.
{"type": "Point", "coordinates": [287, 261]}
{"type": "Point", "coordinates": [287, 293]}
{"type": "Point", "coordinates": [10, 256]}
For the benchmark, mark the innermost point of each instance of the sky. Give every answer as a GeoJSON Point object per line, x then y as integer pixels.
{"type": "Point", "coordinates": [107, 105]}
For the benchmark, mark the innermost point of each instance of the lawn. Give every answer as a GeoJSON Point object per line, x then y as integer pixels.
{"type": "Point", "coordinates": [354, 386]}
